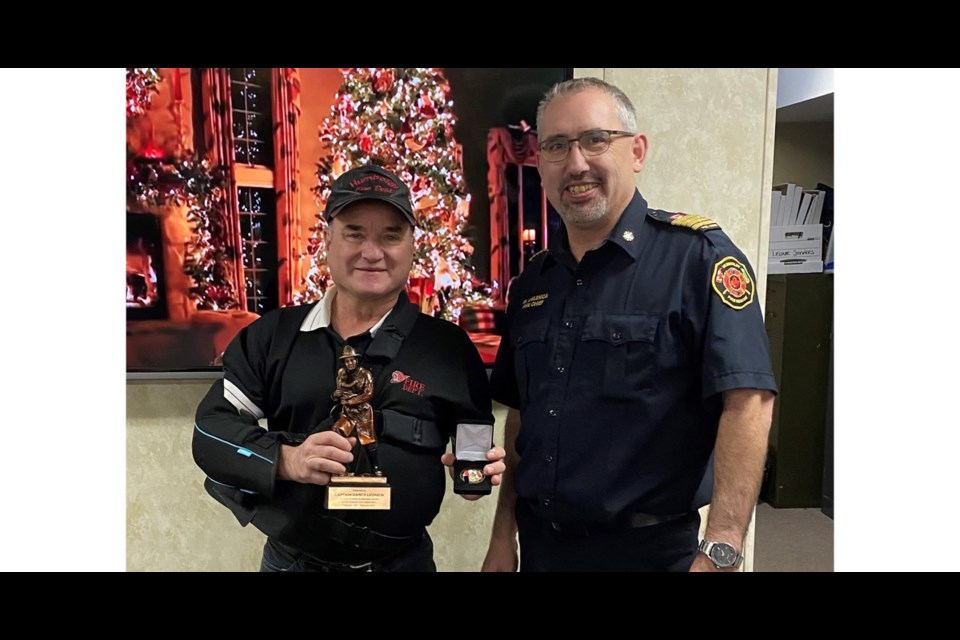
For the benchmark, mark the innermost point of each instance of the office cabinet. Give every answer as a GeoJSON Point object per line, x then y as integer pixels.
{"type": "Point", "coordinates": [799, 321]}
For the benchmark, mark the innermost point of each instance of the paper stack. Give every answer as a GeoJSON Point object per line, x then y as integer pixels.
{"type": "Point", "coordinates": [796, 235]}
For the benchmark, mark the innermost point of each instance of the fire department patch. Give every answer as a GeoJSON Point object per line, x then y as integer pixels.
{"type": "Point", "coordinates": [733, 284]}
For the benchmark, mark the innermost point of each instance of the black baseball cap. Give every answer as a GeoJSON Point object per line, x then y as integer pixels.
{"type": "Point", "coordinates": [366, 183]}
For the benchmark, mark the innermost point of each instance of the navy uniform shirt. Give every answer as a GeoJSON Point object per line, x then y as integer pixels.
{"type": "Point", "coordinates": [427, 375]}
{"type": "Point", "coordinates": [617, 365]}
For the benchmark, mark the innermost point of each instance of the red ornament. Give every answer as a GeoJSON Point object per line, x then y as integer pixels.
{"type": "Point", "coordinates": [420, 289]}
{"type": "Point", "coordinates": [366, 143]}
{"type": "Point", "coordinates": [384, 81]}
{"type": "Point", "coordinates": [152, 152]}
{"type": "Point", "coordinates": [427, 109]}
{"type": "Point", "coordinates": [420, 183]}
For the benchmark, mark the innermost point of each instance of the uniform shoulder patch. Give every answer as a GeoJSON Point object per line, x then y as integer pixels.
{"type": "Point", "coordinates": [697, 223]}
{"type": "Point", "coordinates": [732, 282]}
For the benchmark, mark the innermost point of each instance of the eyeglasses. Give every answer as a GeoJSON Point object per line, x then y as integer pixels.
{"type": "Point", "coordinates": [592, 143]}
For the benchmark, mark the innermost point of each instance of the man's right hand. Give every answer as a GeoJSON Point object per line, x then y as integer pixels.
{"type": "Point", "coordinates": [501, 555]}
{"type": "Point", "coordinates": [320, 456]}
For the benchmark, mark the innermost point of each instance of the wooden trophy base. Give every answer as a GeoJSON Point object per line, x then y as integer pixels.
{"type": "Point", "coordinates": [358, 493]}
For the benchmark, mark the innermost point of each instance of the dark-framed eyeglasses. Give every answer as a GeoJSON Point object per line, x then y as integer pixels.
{"type": "Point", "coordinates": [592, 143]}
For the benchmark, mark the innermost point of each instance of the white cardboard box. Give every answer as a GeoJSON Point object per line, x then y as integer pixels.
{"type": "Point", "coordinates": [795, 266]}
{"type": "Point", "coordinates": [812, 233]}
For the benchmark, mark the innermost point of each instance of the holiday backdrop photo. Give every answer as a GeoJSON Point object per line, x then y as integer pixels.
{"type": "Point", "coordinates": [229, 169]}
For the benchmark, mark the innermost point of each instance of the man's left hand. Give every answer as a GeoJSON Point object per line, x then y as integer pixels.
{"type": "Point", "coordinates": [494, 470]}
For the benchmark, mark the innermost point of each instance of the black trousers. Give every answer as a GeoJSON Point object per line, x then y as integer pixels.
{"type": "Point", "coordinates": [281, 557]}
{"type": "Point", "coordinates": [668, 546]}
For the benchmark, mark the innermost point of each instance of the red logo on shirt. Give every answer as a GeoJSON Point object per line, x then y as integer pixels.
{"type": "Point", "coordinates": [409, 384]}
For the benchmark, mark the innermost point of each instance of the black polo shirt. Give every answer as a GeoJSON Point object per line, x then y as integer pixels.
{"type": "Point", "coordinates": [617, 365]}
{"type": "Point", "coordinates": [427, 377]}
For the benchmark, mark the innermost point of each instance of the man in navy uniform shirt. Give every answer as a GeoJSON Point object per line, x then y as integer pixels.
{"type": "Point", "coordinates": [427, 377]}
{"type": "Point", "coordinates": [635, 363]}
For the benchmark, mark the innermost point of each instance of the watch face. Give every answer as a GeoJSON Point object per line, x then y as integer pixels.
{"type": "Point", "coordinates": [723, 555]}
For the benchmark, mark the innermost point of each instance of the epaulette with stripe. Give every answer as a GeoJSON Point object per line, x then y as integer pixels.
{"type": "Point", "coordinates": [538, 254]}
{"type": "Point", "coordinates": [697, 223]}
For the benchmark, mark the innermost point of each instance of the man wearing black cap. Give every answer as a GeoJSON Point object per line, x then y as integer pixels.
{"type": "Point", "coordinates": [427, 377]}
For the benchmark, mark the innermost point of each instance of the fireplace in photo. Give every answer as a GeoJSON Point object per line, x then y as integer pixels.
{"type": "Point", "coordinates": [146, 298]}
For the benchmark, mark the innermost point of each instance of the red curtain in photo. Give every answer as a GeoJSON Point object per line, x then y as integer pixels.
{"type": "Point", "coordinates": [504, 149]}
{"type": "Point", "coordinates": [286, 132]}
{"type": "Point", "coordinates": [218, 139]}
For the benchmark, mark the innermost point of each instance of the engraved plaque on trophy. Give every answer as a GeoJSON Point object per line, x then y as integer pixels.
{"type": "Point", "coordinates": [354, 391]}
{"type": "Point", "coordinates": [470, 448]}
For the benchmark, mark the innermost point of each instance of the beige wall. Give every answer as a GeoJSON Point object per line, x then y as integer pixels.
{"type": "Point", "coordinates": [803, 154]}
{"type": "Point", "coordinates": [711, 153]}
{"type": "Point", "coordinates": [172, 524]}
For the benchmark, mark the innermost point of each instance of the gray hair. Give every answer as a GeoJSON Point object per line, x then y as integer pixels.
{"type": "Point", "coordinates": [625, 109]}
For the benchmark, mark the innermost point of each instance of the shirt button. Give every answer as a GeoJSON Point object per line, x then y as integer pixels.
{"type": "Point", "coordinates": [616, 336]}
{"type": "Point", "coordinates": [568, 324]}
{"type": "Point", "coordinates": [579, 282]}
{"type": "Point", "coordinates": [546, 502]}
{"type": "Point", "coordinates": [552, 412]}
{"type": "Point", "coordinates": [560, 369]}
{"type": "Point", "coordinates": [549, 459]}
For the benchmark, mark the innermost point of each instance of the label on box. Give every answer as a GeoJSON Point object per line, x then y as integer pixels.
{"type": "Point", "coordinates": [791, 252]}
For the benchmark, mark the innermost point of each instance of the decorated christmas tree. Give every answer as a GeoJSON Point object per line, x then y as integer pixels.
{"type": "Point", "coordinates": [141, 87]}
{"type": "Point", "coordinates": [403, 120]}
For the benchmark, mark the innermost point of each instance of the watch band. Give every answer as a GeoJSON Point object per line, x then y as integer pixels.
{"type": "Point", "coordinates": [707, 546]}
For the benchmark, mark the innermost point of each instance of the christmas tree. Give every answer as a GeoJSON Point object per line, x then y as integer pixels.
{"type": "Point", "coordinates": [141, 87]}
{"type": "Point", "coordinates": [403, 120]}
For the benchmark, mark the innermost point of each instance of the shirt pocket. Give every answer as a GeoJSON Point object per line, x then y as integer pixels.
{"type": "Point", "coordinates": [530, 345]}
{"type": "Point", "coordinates": [625, 343]}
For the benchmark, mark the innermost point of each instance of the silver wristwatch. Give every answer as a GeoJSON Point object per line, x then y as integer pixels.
{"type": "Point", "coordinates": [723, 555]}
